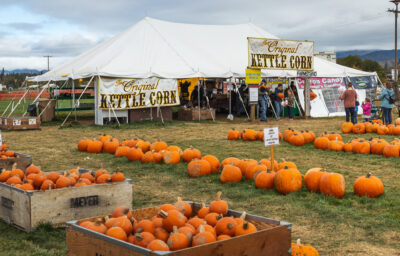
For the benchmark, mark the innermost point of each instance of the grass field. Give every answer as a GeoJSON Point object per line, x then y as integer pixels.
{"type": "Point", "coordinates": [347, 226]}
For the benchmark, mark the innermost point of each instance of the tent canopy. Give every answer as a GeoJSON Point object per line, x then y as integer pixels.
{"type": "Point", "coordinates": [156, 48]}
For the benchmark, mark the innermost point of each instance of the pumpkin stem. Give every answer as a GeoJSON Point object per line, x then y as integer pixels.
{"type": "Point", "coordinates": [245, 225]}
{"type": "Point", "coordinates": [203, 205]}
{"type": "Point", "coordinates": [283, 160]}
{"type": "Point", "coordinates": [175, 230]}
{"type": "Point", "coordinates": [218, 198]}
{"type": "Point", "coordinates": [298, 242]}
{"type": "Point", "coordinates": [14, 166]}
{"type": "Point", "coordinates": [163, 214]}
{"type": "Point", "coordinates": [368, 175]}
{"type": "Point", "coordinates": [243, 216]}
{"type": "Point", "coordinates": [201, 229]}
{"type": "Point", "coordinates": [230, 226]}
{"type": "Point", "coordinates": [138, 236]}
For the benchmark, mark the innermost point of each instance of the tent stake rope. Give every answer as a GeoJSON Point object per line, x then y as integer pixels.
{"type": "Point", "coordinates": [75, 103]}
{"type": "Point", "coordinates": [9, 104]}
{"type": "Point", "coordinates": [15, 107]}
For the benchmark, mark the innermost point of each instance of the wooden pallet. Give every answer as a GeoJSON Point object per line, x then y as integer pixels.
{"type": "Point", "coordinates": [27, 209]}
{"type": "Point", "coordinates": [272, 238]}
{"type": "Point", "coordinates": [22, 161]}
{"type": "Point", "coordinates": [192, 114]}
{"type": "Point", "coordinates": [20, 123]}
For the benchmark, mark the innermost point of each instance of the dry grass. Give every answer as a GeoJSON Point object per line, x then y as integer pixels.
{"type": "Point", "coordinates": [348, 226]}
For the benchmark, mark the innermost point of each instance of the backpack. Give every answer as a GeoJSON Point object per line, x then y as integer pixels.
{"type": "Point", "coordinates": [391, 99]}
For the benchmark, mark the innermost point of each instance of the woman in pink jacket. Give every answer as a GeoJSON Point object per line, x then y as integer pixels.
{"type": "Point", "coordinates": [366, 106]}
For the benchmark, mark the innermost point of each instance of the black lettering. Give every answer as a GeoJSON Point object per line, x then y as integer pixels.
{"type": "Point", "coordinates": [142, 95]}
{"type": "Point", "coordinates": [134, 102]}
{"type": "Point", "coordinates": [283, 61]}
{"type": "Point", "coordinates": [166, 97]}
{"type": "Point", "coordinates": [277, 64]}
{"type": "Point", "coordinates": [173, 97]}
{"type": "Point", "coordinates": [7, 203]}
{"type": "Point", "coordinates": [291, 62]}
{"type": "Point", "coordinates": [120, 96]}
{"type": "Point", "coordinates": [303, 62]}
{"type": "Point", "coordinates": [309, 62]}
{"type": "Point", "coordinates": [259, 60]}
{"type": "Point", "coordinates": [159, 98]}
{"type": "Point", "coordinates": [297, 62]}
{"type": "Point", "coordinates": [103, 101]}
{"type": "Point", "coordinates": [79, 202]}
{"type": "Point", "coordinates": [151, 98]}
{"type": "Point", "coordinates": [253, 60]}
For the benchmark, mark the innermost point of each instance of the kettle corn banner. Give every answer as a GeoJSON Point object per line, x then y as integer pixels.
{"type": "Point", "coordinates": [280, 54]}
{"type": "Point", "coordinates": [124, 94]}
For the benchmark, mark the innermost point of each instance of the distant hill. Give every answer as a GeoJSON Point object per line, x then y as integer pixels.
{"type": "Point", "coordinates": [24, 70]}
{"type": "Point", "coordinates": [383, 57]}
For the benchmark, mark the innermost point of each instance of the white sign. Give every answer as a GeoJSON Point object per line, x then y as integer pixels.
{"type": "Point", "coordinates": [1, 140]}
{"type": "Point", "coordinates": [271, 136]}
{"type": "Point", "coordinates": [267, 53]}
{"type": "Point", "coordinates": [253, 94]}
{"type": "Point", "coordinates": [16, 122]}
{"type": "Point", "coordinates": [122, 94]}
{"type": "Point", "coordinates": [310, 73]}
{"type": "Point", "coordinates": [32, 121]}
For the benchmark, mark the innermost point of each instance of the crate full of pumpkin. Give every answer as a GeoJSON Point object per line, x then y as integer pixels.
{"type": "Point", "coordinates": [32, 197]}
{"type": "Point", "coordinates": [182, 228]}
{"type": "Point", "coordinates": [9, 157]}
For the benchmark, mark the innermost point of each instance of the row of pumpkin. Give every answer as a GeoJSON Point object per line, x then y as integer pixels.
{"type": "Point", "coordinates": [375, 126]}
{"type": "Point", "coordinates": [284, 176]}
{"type": "Point", "coordinates": [34, 179]}
{"type": "Point", "coordinates": [334, 141]}
{"type": "Point", "coordinates": [177, 226]}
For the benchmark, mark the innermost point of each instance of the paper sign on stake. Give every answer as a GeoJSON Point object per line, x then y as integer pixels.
{"type": "Point", "coordinates": [271, 136]}
{"type": "Point", "coordinates": [1, 140]}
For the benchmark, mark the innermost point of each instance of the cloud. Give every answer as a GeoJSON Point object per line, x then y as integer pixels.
{"type": "Point", "coordinates": [72, 26]}
{"type": "Point", "coordinates": [24, 26]}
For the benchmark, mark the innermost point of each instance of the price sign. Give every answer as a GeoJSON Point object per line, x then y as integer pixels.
{"type": "Point", "coordinates": [32, 121]}
{"type": "Point", "coordinates": [271, 136]}
{"type": "Point", "coordinates": [253, 94]}
{"type": "Point", "coordinates": [16, 122]}
{"type": "Point", "coordinates": [1, 140]}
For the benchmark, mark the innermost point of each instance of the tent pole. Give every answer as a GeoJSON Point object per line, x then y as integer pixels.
{"type": "Point", "coordinates": [14, 107]}
{"type": "Point", "coordinates": [73, 98]}
{"type": "Point", "coordinates": [198, 96]}
{"type": "Point", "coordinates": [208, 103]}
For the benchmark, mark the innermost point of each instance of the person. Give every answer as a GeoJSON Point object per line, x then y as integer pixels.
{"type": "Point", "coordinates": [240, 101]}
{"type": "Point", "coordinates": [356, 110]}
{"type": "Point", "coordinates": [366, 106]}
{"type": "Point", "coordinates": [349, 97]}
{"type": "Point", "coordinates": [386, 103]}
{"type": "Point", "coordinates": [278, 100]}
{"type": "Point", "coordinates": [194, 96]}
{"type": "Point", "coordinates": [290, 99]}
{"type": "Point", "coordinates": [263, 100]}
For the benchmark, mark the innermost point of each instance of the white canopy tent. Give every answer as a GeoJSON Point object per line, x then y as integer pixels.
{"type": "Point", "coordinates": [156, 48]}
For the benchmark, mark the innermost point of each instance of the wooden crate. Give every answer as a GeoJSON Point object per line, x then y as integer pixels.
{"type": "Point", "coordinates": [27, 209]}
{"type": "Point", "coordinates": [272, 238]}
{"type": "Point", "coordinates": [22, 161]}
{"type": "Point", "coordinates": [192, 114]}
{"type": "Point", "coordinates": [20, 123]}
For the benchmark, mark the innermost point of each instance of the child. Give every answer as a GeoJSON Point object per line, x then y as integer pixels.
{"type": "Point", "coordinates": [356, 111]}
{"type": "Point", "coordinates": [290, 103]}
{"type": "Point", "coordinates": [366, 106]}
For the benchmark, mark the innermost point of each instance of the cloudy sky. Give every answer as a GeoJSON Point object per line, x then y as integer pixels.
{"type": "Point", "coordinates": [31, 29]}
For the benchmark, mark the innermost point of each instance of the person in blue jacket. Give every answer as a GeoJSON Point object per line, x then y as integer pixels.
{"type": "Point", "coordinates": [387, 103]}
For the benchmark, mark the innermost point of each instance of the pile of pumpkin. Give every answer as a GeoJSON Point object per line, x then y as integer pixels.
{"type": "Point", "coordinates": [139, 150]}
{"type": "Point", "coordinates": [5, 152]}
{"type": "Point", "coordinates": [375, 126]}
{"type": "Point", "coordinates": [285, 177]}
{"type": "Point", "coordinates": [175, 227]}
{"type": "Point", "coordinates": [298, 138]}
{"type": "Point", "coordinates": [375, 146]}
{"type": "Point", "coordinates": [34, 179]}
{"type": "Point", "coordinates": [247, 135]}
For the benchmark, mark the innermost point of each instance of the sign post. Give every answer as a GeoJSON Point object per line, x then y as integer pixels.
{"type": "Point", "coordinates": [1, 140]}
{"type": "Point", "coordinates": [306, 75]}
{"type": "Point", "coordinates": [271, 138]}
{"type": "Point", "coordinates": [253, 79]}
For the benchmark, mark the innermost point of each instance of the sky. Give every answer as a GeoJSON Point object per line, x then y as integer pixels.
{"type": "Point", "coordinates": [31, 29]}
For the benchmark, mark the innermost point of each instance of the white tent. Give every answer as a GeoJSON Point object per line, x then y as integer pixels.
{"type": "Point", "coordinates": [155, 48]}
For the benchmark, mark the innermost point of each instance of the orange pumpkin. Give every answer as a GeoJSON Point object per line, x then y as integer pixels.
{"type": "Point", "coordinates": [233, 134]}
{"type": "Point", "coordinates": [219, 206]}
{"type": "Point", "coordinates": [264, 179]}
{"type": "Point", "coordinates": [213, 161]}
{"type": "Point", "coordinates": [347, 127]}
{"type": "Point", "coordinates": [312, 179]}
{"type": "Point", "coordinates": [231, 173]}
{"type": "Point", "coordinates": [332, 184]}
{"type": "Point", "coordinates": [368, 185]}
{"type": "Point", "coordinates": [288, 180]}
{"type": "Point", "coordinates": [172, 157]}
{"type": "Point", "coordinates": [198, 168]}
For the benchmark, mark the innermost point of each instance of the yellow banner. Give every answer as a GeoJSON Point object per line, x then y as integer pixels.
{"type": "Point", "coordinates": [253, 76]}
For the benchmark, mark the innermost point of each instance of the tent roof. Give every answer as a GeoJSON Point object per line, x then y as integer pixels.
{"type": "Point", "coordinates": [164, 49]}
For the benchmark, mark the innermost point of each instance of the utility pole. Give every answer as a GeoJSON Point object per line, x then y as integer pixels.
{"type": "Point", "coordinates": [396, 77]}
{"type": "Point", "coordinates": [48, 60]}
